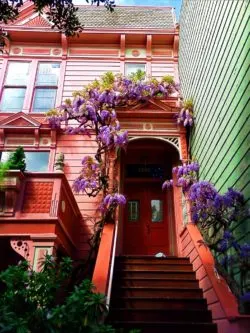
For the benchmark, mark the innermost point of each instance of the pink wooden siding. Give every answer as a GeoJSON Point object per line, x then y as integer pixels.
{"type": "Point", "coordinates": [75, 147]}
{"type": "Point", "coordinates": [81, 73]}
{"type": "Point", "coordinates": [161, 69]}
{"type": "Point", "coordinates": [1, 65]}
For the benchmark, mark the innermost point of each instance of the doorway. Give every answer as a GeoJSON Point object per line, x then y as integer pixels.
{"type": "Point", "coordinates": [148, 219]}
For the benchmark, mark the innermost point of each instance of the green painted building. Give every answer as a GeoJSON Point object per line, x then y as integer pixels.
{"type": "Point", "coordinates": [215, 72]}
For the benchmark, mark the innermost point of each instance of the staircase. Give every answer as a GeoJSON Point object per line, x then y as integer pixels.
{"type": "Point", "coordinates": [158, 295]}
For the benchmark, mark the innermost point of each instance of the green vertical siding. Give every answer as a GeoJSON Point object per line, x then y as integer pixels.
{"type": "Point", "coordinates": [214, 70]}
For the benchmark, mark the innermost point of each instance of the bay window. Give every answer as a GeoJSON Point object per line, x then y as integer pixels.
{"type": "Point", "coordinates": [19, 85]}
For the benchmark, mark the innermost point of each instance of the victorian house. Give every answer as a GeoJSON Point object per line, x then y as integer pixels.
{"type": "Point", "coordinates": [41, 214]}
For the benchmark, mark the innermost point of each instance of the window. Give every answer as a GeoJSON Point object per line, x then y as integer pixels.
{"type": "Point", "coordinates": [35, 161]}
{"type": "Point", "coordinates": [19, 83]}
{"type": "Point", "coordinates": [156, 211]}
{"type": "Point", "coordinates": [133, 210]}
{"type": "Point", "coordinates": [46, 86]}
{"type": "Point", "coordinates": [15, 87]}
{"type": "Point", "coordinates": [133, 68]}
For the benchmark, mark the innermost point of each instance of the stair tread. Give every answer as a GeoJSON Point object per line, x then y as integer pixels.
{"type": "Point", "coordinates": [157, 279]}
{"type": "Point", "coordinates": [155, 271]}
{"type": "Point", "coordinates": [159, 298]}
{"type": "Point", "coordinates": [156, 288]}
{"type": "Point", "coordinates": [149, 257]}
{"type": "Point", "coordinates": [164, 323]}
{"type": "Point", "coordinates": [163, 310]}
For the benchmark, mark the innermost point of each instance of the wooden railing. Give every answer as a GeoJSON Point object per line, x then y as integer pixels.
{"type": "Point", "coordinates": [40, 203]}
{"type": "Point", "coordinates": [104, 266]}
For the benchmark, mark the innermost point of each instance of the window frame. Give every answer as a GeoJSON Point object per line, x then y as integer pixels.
{"type": "Point", "coordinates": [29, 150]}
{"type": "Point", "coordinates": [11, 86]}
{"type": "Point", "coordinates": [31, 83]}
{"type": "Point", "coordinates": [36, 86]}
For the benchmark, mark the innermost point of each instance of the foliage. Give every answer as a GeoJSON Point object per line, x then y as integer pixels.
{"type": "Point", "coordinates": [214, 214]}
{"type": "Point", "coordinates": [16, 160]}
{"type": "Point", "coordinates": [62, 13]}
{"type": "Point", "coordinates": [39, 302]}
{"type": "Point", "coordinates": [187, 174]}
{"type": "Point", "coordinates": [4, 167]}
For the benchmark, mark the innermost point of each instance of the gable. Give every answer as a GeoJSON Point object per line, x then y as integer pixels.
{"type": "Point", "coordinates": [20, 120]}
{"type": "Point", "coordinates": [35, 20]}
{"type": "Point", "coordinates": [156, 105]}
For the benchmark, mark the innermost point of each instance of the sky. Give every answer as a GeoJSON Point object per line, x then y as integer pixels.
{"type": "Point", "coordinates": [172, 3]}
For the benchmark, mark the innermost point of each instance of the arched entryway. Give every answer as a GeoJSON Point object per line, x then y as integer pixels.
{"type": "Point", "coordinates": [148, 217]}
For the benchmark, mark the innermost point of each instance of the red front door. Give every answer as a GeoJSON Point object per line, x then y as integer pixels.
{"type": "Point", "coordinates": [146, 222]}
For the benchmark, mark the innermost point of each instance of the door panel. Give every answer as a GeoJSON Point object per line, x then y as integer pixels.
{"type": "Point", "coordinates": [145, 219]}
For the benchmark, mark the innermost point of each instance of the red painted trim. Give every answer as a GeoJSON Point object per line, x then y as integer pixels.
{"type": "Point", "coordinates": [60, 83]}
{"type": "Point", "coordinates": [36, 51]}
{"type": "Point", "coordinates": [102, 266]}
{"type": "Point", "coordinates": [93, 52]}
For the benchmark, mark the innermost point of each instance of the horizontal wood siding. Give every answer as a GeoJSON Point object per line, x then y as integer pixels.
{"type": "Point", "coordinates": [80, 73]}
{"type": "Point", "coordinates": [74, 148]}
{"type": "Point", "coordinates": [1, 64]}
{"type": "Point", "coordinates": [214, 70]}
{"type": "Point", "coordinates": [161, 69]}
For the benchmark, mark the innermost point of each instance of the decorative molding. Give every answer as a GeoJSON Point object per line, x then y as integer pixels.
{"type": "Point", "coordinates": [23, 246]}
{"type": "Point", "coordinates": [173, 140]}
{"type": "Point", "coordinates": [19, 120]}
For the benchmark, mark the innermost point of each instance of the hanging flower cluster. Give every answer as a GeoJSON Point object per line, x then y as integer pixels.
{"type": "Point", "coordinates": [187, 174]}
{"type": "Point", "coordinates": [209, 207]}
{"type": "Point", "coordinates": [112, 201]}
{"type": "Point", "coordinates": [186, 115]}
{"type": "Point", "coordinates": [91, 179]}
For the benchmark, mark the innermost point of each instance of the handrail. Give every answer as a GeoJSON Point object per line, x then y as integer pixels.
{"type": "Point", "coordinates": [112, 263]}
{"type": "Point", "coordinates": [104, 258]}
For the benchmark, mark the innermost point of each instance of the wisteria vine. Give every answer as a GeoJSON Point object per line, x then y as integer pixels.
{"type": "Point", "coordinates": [214, 214]}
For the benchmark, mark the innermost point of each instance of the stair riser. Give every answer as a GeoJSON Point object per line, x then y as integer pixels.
{"type": "Point", "coordinates": [161, 283]}
{"type": "Point", "coordinates": [160, 316]}
{"type": "Point", "coordinates": [153, 267]}
{"type": "Point", "coordinates": [200, 304]}
{"type": "Point", "coordinates": [159, 293]}
{"type": "Point", "coordinates": [154, 274]}
{"type": "Point", "coordinates": [170, 328]}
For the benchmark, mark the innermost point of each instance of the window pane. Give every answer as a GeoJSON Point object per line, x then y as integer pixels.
{"type": "Point", "coordinates": [48, 74]}
{"type": "Point", "coordinates": [12, 99]}
{"type": "Point", "coordinates": [133, 68]}
{"type": "Point", "coordinates": [35, 161]}
{"type": "Point", "coordinates": [17, 74]}
{"type": "Point", "coordinates": [44, 100]}
{"type": "Point", "coordinates": [133, 210]}
{"type": "Point", "coordinates": [156, 211]}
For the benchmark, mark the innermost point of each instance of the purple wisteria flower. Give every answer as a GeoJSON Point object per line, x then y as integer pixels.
{"type": "Point", "coordinates": [112, 200]}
